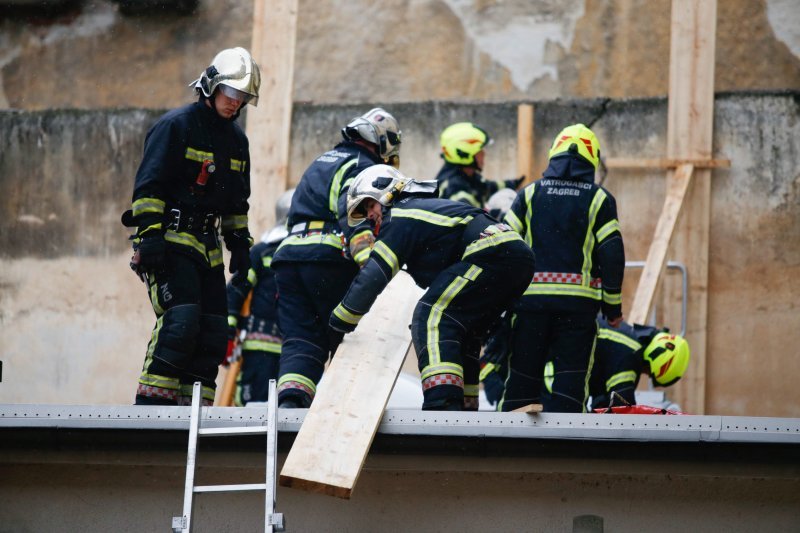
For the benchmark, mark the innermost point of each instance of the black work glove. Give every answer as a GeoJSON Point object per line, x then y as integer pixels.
{"type": "Point", "coordinates": [152, 252]}
{"type": "Point", "coordinates": [335, 338]}
{"type": "Point", "coordinates": [240, 261]}
{"type": "Point", "coordinates": [493, 387]}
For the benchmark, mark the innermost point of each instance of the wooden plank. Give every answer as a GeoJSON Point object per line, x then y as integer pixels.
{"type": "Point", "coordinates": [689, 135]}
{"type": "Point", "coordinates": [268, 125]}
{"type": "Point", "coordinates": [525, 142]}
{"type": "Point", "coordinates": [623, 162]}
{"type": "Point", "coordinates": [335, 437]}
{"type": "Point", "coordinates": [677, 185]}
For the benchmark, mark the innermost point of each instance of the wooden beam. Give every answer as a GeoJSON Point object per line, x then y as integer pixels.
{"type": "Point", "coordinates": [690, 128]}
{"type": "Point", "coordinates": [623, 162]}
{"type": "Point", "coordinates": [268, 125]}
{"type": "Point", "coordinates": [333, 441]}
{"type": "Point", "coordinates": [657, 255]}
{"type": "Point", "coordinates": [525, 142]}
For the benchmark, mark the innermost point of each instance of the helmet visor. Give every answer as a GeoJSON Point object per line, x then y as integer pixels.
{"type": "Point", "coordinates": [235, 94]}
{"type": "Point", "coordinates": [394, 138]}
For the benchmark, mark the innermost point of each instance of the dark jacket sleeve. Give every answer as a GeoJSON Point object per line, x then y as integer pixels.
{"type": "Point", "coordinates": [610, 253]}
{"type": "Point", "coordinates": [234, 225]}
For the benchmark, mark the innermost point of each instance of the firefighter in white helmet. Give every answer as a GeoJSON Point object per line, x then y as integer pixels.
{"type": "Point", "coordinates": [472, 266]}
{"type": "Point", "coordinates": [317, 261]}
{"type": "Point", "coordinates": [193, 179]}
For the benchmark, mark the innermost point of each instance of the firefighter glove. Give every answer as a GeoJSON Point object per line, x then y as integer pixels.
{"type": "Point", "coordinates": [240, 260]}
{"type": "Point", "coordinates": [152, 252]}
{"type": "Point", "coordinates": [493, 387]}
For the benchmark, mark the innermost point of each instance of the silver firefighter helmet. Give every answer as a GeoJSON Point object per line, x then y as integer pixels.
{"type": "Point", "coordinates": [234, 72]}
{"type": "Point", "coordinates": [378, 127]}
{"type": "Point", "coordinates": [280, 231]}
{"type": "Point", "coordinates": [384, 184]}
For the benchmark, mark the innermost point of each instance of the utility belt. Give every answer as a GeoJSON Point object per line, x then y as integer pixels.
{"type": "Point", "coordinates": [314, 227]}
{"type": "Point", "coordinates": [190, 221]}
{"type": "Point", "coordinates": [481, 227]}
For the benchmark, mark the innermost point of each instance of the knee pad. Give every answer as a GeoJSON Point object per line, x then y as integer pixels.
{"type": "Point", "coordinates": [177, 338]}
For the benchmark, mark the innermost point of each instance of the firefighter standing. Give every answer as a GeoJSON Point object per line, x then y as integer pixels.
{"type": "Point", "coordinates": [315, 264]}
{"type": "Point", "coordinates": [194, 172]}
{"type": "Point", "coordinates": [572, 226]}
{"type": "Point", "coordinates": [472, 265]}
{"type": "Point", "coordinates": [261, 347]}
{"type": "Point", "coordinates": [624, 353]}
{"type": "Point", "coordinates": [460, 177]}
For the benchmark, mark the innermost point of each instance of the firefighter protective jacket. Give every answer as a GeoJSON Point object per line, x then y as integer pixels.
{"type": "Point", "coordinates": [318, 216]}
{"type": "Point", "coordinates": [166, 196]}
{"type": "Point", "coordinates": [455, 184]}
{"type": "Point", "coordinates": [424, 234]}
{"type": "Point", "coordinates": [618, 361]}
{"type": "Point", "coordinates": [571, 225]}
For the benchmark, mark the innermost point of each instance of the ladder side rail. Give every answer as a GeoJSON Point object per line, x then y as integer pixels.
{"type": "Point", "coordinates": [272, 521]}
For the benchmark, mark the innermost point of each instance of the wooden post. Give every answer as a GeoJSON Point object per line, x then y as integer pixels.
{"type": "Point", "coordinates": [525, 142]}
{"type": "Point", "coordinates": [268, 125]}
{"type": "Point", "coordinates": [689, 135]}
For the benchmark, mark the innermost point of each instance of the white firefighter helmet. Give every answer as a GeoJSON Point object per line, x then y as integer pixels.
{"type": "Point", "coordinates": [234, 72]}
{"type": "Point", "coordinates": [500, 202]}
{"type": "Point", "coordinates": [383, 183]}
{"type": "Point", "coordinates": [378, 127]}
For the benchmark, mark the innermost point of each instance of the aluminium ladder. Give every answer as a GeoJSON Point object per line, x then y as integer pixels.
{"type": "Point", "coordinates": [272, 521]}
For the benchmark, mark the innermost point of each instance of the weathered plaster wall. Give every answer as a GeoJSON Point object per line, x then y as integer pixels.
{"type": "Point", "coordinates": [74, 321]}
{"type": "Point", "coordinates": [391, 51]}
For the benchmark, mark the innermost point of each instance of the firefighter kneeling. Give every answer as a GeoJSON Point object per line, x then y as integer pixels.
{"type": "Point", "coordinates": [472, 265]}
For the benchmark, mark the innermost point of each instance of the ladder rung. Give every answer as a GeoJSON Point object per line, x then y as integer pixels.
{"type": "Point", "coordinates": [223, 432]}
{"type": "Point", "coordinates": [230, 488]}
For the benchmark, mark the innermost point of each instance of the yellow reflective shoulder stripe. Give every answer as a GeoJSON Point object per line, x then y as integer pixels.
{"type": "Point", "coordinates": [198, 155]}
{"type": "Point", "coordinates": [621, 377]}
{"type": "Point", "coordinates": [493, 240]}
{"type": "Point", "coordinates": [233, 222]}
{"type": "Point", "coordinates": [442, 368]}
{"type": "Point", "coordinates": [443, 187]}
{"type": "Point", "coordinates": [616, 336]}
{"type": "Point", "coordinates": [430, 217]}
{"type": "Point", "coordinates": [148, 205]}
{"type": "Point", "coordinates": [237, 165]}
{"type": "Point", "coordinates": [336, 187]}
{"type": "Point", "coordinates": [513, 220]}
{"type": "Point", "coordinates": [344, 315]}
{"type": "Point", "coordinates": [607, 229]}
{"type": "Point", "coordinates": [588, 242]}
{"type": "Point", "coordinates": [465, 197]}
{"type": "Point", "coordinates": [252, 278]}
{"type": "Point", "coordinates": [557, 289]}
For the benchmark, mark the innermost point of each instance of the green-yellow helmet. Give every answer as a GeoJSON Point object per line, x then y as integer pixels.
{"type": "Point", "coordinates": [668, 357]}
{"type": "Point", "coordinates": [462, 141]}
{"type": "Point", "coordinates": [584, 140]}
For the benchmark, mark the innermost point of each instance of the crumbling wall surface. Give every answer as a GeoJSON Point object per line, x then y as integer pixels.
{"type": "Point", "coordinates": [74, 321]}
{"type": "Point", "coordinates": [351, 51]}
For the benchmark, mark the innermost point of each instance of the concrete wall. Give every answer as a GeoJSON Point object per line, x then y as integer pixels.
{"type": "Point", "coordinates": [351, 51]}
{"type": "Point", "coordinates": [74, 321]}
